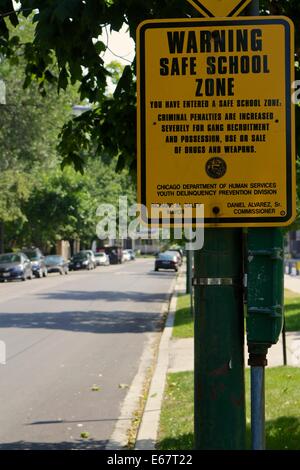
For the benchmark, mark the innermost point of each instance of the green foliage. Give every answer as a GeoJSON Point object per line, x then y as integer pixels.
{"type": "Point", "coordinates": [29, 127]}
{"type": "Point", "coordinates": [58, 208]}
{"type": "Point", "coordinates": [14, 190]}
{"type": "Point", "coordinates": [115, 70]}
{"type": "Point", "coordinates": [66, 49]}
{"type": "Point", "coordinates": [62, 205]}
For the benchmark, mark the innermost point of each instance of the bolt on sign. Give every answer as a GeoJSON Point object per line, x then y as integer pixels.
{"type": "Point", "coordinates": [215, 120]}
{"type": "Point", "coordinates": [219, 8]}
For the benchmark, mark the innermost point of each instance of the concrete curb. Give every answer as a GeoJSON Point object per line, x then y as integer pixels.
{"type": "Point", "coordinates": [147, 435]}
{"type": "Point", "coordinates": [119, 438]}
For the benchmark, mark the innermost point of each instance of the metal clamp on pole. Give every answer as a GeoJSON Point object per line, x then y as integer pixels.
{"type": "Point", "coordinates": [216, 281]}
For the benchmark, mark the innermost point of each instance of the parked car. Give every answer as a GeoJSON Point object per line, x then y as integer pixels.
{"type": "Point", "coordinates": [178, 253]}
{"type": "Point", "coordinates": [56, 264]}
{"type": "Point", "coordinates": [115, 254]}
{"type": "Point", "coordinates": [166, 260]}
{"type": "Point", "coordinates": [132, 254]}
{"type": "Point", "coordinates": [15, 266]}
{"type": "Point", "coordinates": [37, 259]}
{"type": "Point", "coordinates": [92, 255]}
{"type": "Point", "coordinates": [126, 256]}
{"type": "Point", "coordinates": [81, 261]}
{"type": "Point", "coordinates": [179, 250]}
{"type": "Point", "coordinates": [102, 259]}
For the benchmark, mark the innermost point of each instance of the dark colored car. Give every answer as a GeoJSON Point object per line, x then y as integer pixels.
{"type": "Point", "coordinates": [115, 254]}
{"type": "Point", "coordinates": [81, 261]}
{"type": "Point", "coordinates": [166, 260]}
{"type": "Point", "coordinates": [56, 264]}
{"type": "Point", "coordinates": [15, 266]}
{"type": "Point", "coordinates": [38, 264]}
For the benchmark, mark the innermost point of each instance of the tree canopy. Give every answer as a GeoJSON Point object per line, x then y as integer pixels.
{"type": "Point", "coordinates": [29, 128]}
{"type": "Point", "coordinates": [62, 205]}
{"type": "Point", "coordinates": [67, 48]}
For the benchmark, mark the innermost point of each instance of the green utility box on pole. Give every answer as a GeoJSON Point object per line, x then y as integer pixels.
{"type": "Point", "coordinates": [264, 288]}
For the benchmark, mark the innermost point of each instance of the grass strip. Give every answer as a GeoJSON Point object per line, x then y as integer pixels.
{"type": "Point", "coordinates": [292, 310]}
{"type": "Point", "coordinates": [183, 323]}
{"type": "Point", "coordinates": [282, 410]}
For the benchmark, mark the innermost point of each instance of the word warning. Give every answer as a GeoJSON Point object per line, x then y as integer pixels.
{"type": "Point", "coordinates": [215, 121]}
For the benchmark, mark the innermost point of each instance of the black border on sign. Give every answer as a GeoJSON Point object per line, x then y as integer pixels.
{"type": "Point", "coordinates": [237, 8]}
{"type": "Point", "coordinates": [142, 73]}
{"type": "Point", "coordinates": [209, 13]}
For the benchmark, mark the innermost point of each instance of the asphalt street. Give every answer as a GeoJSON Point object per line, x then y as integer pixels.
{"type": "Point", "coordinates": [73, 345]}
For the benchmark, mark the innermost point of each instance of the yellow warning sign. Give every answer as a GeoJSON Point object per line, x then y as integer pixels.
{"type": "Point", "coordinates": [219, 8]}
{"type": "Point", "coordinates": [215, 121]}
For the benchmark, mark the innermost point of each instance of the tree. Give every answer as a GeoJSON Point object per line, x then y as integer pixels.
{"type": "Point", "coordinates": [29, 128]}
{"type": "Point", "coordinates": [63, 205]}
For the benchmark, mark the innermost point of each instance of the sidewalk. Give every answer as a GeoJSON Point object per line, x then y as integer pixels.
{"type": "Point", "coordinates": [177, 355]}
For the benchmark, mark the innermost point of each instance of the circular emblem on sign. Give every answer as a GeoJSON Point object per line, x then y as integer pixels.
{"type": "Point", "coordinates": [216, 167]}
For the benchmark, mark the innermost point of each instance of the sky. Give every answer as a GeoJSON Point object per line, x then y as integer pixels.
{"type": "Point", "coordinates": [121, 47]}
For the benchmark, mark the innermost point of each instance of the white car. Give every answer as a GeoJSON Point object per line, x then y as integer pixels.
{"type": "Point", "coordinates": [92, 255]}
{"type": "Point", "coordinates": [126, 255]}
{"type": "Point", "coordinates": [132, 254]}
{"type": "Point", "coordinates": [102, 259]}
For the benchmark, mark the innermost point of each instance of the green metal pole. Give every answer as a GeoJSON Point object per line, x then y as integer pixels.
{"type": "Point", "coordinates": [219, 342]}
